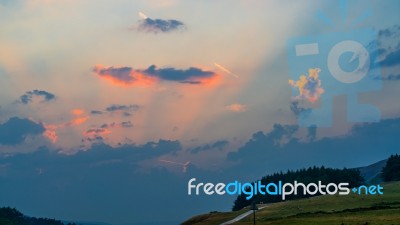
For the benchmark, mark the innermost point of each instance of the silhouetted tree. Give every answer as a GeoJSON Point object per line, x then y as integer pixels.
{"type": "Point", "coordinates": [391, 171]}
{"type": "Point", "coordinates": [11, 216]}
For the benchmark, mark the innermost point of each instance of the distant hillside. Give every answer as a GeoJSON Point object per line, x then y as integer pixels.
{"type": "Point", "coordinates": [372, 172]}
{"type": "Point", "coordinates": [11, 216]}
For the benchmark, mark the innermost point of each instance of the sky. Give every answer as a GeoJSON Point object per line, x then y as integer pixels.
{"type": "Point", "coordinates": [101, 102]}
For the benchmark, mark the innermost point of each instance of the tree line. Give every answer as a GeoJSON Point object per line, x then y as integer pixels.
{"type": "Point", "coordinates": [390, 172]}
{"type": "Point", "coordinates": [11, 216]}
{"type": "Point", "coordinates": [305, 176]}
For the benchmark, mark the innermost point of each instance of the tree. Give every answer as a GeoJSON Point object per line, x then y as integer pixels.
{"type": "Point", "coordinates": [391, 171]}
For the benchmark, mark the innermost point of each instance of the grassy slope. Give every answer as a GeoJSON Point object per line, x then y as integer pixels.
{"type": "Point", "coordinates": [325, 210]}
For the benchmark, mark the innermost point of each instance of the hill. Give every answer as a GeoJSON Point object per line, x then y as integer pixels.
{"type": "Point", "coordinates": [372, 172]}
{"type": "Point", "coordinates": [321, 210]}
{"type": "Point", "coordinates": [11, 216]}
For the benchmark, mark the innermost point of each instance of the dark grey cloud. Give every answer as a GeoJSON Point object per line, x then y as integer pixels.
{"type": "Point", "coordinates": [160, 25]}
{"type": "Point", "coordinates": [365, 143]}
{"type": "Point", "coordinates": [184, 76]}
{"type": "Point", "coordinates": [218, 145]}
{"type": "Point", "coordinates": [94, 139]}
{"type": "Point", "coordinates": [392, 59]}
{"type": "Point", "coordinates": [96, 112]}
{"type": "Point", "coordinates": [386, 48]}
{"type": "Point", "coordinates": [101, 174]}
{"type": "Point", "coordinates": [115, 107]}
{"type": "Point", "coordinates": [297, 109]}
{"type": "Point", "coordinates": [125, 110]}
{"type": "Point", "coordinates": [97, 134]}
{"type": "Point", "coordinates": [122, 74]}
{"type": "Point", "coordinates": [389, 32]}
{"type": "Point", "coordinates": [96, 131]}
{"type": "Point", "coordinates": [190, 82]}
{"type": "Point", "coordinates": [124, 124]}
{"type": "Point", "coordinates": [390, 77]}
{"type": "Point", "coordinates": [29, 95]}
{"type": "Point", "coordinates": [15, 130]}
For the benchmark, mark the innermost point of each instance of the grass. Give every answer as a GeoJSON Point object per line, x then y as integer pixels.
{"type": "Point", "coordinates": [323, 210]}
{"type": "Point", "coordinates": [213, 217]}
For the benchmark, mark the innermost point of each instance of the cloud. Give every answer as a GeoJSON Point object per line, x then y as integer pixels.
{"type": "Point", "coordinates": [150, 25]}
{"type": "Point", "coordinates": [309, 87]}
{"type": "Point", "coordinates": [125, 110]}
{"type": "Point", "coordinates": [104, 166]}
{"type": "Point", "coordinates": [392, 59]}
{"type": "Point", "coordinates": [265, 151]}
{"type": "Point", "coordinates": [96, 112]}
{"type": "Point", "coordinates": [92, 175]}
{"type": "Point", "coordinates": [125, 124]}
{"type": "Point", "coordinates": [312, 133]}
{"type": "Point", "coordinates": [123, 76]}
{"type": "Point", "coordinates": [16, 130]}
{"type": "Point", "coordinates": [78, 112]}
{"type": "Point", "coordinates": [218, 145]}
{"type": "Point", "coordinates": [77, 121]}
{"type": "Point", "coordinates": [127, 76]}
{"type": "Point", "coordinates": [236, 107]}
{"type": "Point", "coordinates": [389, 32]}
{"type": "Point", "coordinates": [97, 132]}
{"type": "Point", "coordinates": [390, 77]}
{"type": "Point", "coordinates": [297, 109]}
{"type": "Point", "coordinates": [387, 47]}
{"type": "Point", "coordinates": [51, 133]}
{"type": "Point", "coordinates": [192, 74]}
{"type": "Point", "coordinates": [29, 95]}
{"type": "Point", "coordinates": [114, 108]}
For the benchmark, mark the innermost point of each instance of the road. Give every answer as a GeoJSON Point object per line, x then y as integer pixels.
{"type": "Point", "coordinates": [240, 217]}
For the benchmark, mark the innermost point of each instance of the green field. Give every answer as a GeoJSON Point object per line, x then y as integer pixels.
{"type": "Point", "coordinates": [323, 210]}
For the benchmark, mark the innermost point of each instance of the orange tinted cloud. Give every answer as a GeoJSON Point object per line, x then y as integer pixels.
{"type": "Point", "coordinates": [78, 121]}
{"type": "Point", "coordinates": [210, 81]}
{"type": "Point", "coordinates": [78, 112]}
{"type": "Point", "coordinates": [123, 76]}
{"type": "Point", "coordinates": [79, 117]}
{"type": "Point", "coordinates": [126, 76]}
{"type": "Point", "coordinates": [51, 133]}
{"type": "Point", "coordinates": [309, 87]}
{"type": "Point", "coordinates": [97, 132]}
